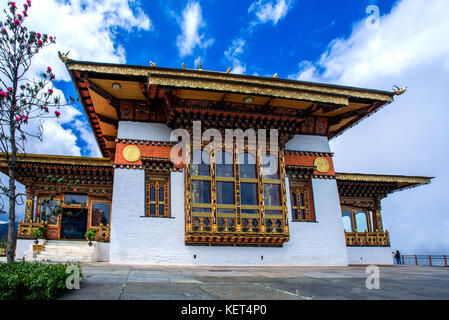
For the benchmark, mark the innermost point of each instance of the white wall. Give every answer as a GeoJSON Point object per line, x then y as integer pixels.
{"type": "Point", "coordinates": [302, 142]}
{"type": "Point", "coordinates": [102, 251]}
{"type": "Point", "coordinates": [23, 245]}
{"type": "Point", "coordinates": [143, 131]}
{"type": "Point", "coordinates": [137, 239]}
{"type": "Point", "coordinates": [370, 255]}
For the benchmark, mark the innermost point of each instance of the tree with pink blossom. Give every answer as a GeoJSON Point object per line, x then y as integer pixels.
{"type": "Point", "coordinates": [23, 101]}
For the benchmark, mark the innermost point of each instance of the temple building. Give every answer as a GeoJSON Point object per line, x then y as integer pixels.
{"type": "Point", "coordinates": [225, 209]}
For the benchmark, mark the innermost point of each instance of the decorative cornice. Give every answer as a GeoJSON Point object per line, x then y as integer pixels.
{"type": "Point", "coordinates": [309, 153]}
{"type": "Point", "coordinates": [194, 78]}
{"type": "Point", "coordinates": [146, 142]}
{"type": "Point", "coordinates": [382, 178]}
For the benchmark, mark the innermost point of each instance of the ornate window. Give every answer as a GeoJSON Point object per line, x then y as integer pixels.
{"type": "Point", "coordinates": [356, 220]}
{"type": "Point", "coordinates": [301, 198]}
{"type": "Point", "coordinates": [157, 195]}
{"type": "Point", "coordinates": [233, 193]}
{"type": "Point", "coordinates": [101, 211]}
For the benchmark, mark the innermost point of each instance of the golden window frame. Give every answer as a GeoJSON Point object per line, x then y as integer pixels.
{"type": "Point", "coordinates": [157, 181]}
{"type": "Point", "coordinates": [304, 188]}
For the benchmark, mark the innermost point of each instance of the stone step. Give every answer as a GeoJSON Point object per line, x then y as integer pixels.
{"type": "Point", "coordinates": [64, 251]}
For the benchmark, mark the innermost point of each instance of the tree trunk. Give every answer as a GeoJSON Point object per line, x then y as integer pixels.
{"type": "Point", "coordinates": [12, 236]}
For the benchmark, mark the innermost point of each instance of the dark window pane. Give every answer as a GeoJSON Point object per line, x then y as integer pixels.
{"type": "Point", "coordinates": [200, 163]}
{"type": "Point", "coordinates": [73, 198]}
{"type": "Point", "coordinates": [225, 192]}
{"type": "Point", "coordinates": [247, 165]}
{"type": "Point", "coordinates": [303, 214]}
{"type": "Point", "coordinates": [224, 164]}
{"type": "Point", "coordinates": [200, 210]}
{"type": "Point", "coordinates": [100, 213]}
{"type": "Point", "coordinates": [272, 194]}
{"type": "Point", "coordinates": [272, 212]}
{"type": "Point", "coordinates": [152, 194]}
{"type": "Point", "coordinates": [293, 199]}
{"type": "Point", "coordinates": [161, 195]}
{"type": "Point", "coordinates": [248, 193]}
{"type": "Point", "coordinates": [225, 211]}
{"type": "Point", "coordinates": [152, 209]}
{"type": "Point", "coordinates": [200, 191]}
{"type": "Point", "coordinates": [46, 208]}
{"type": "Point", "coordinates": [270, 167]}
{"type": "Point", "coordinates": [250, 211]}
{"type": "Point", "coordinates": [161, 209]}
{"type": "Point", "coordinates": [301, 199]}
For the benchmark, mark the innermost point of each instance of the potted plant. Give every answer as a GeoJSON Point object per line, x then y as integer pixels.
{"type": "Point", "coordinates": [90, 235]}
{"type": "Point", "coordinates": [38, 233]}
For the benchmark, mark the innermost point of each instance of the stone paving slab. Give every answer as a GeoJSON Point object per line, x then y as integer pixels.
{"type": "Point", "coordinates": [168, 290]}
{"type": "Point", "coordinates": [107, 281]}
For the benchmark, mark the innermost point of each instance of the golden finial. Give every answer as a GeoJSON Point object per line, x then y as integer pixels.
{"type": "Point", "coordinates": [398, 91]}
{"type": "Point", "coordinates": [183, 65]}
{"type": "Point", "coordinates": [275, 75]}
{"type": "Point", "coordinates": [228, 70]}
{"type": "Point", "coordinates": [64, 56]}
{"type": "Point", "coordinates": [152, 64]}
{"type": "Point", "coordinates": [200, 66]}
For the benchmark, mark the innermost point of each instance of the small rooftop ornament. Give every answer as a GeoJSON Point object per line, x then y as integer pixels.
{"type": "Point", "coordinates": [398, 91]}
{"type": "Point", "coordinates": [275, 75]}
{"type": "Point", "coordinates": [64, 56]}
{"type": "Point", "coordinates": [152, 64]}
{"type": "Point", "coordinates": [183, 65]}
{"type": "Point", "coordinates": [228, 70]}
{"type": "Point", "coordinates": [200, 66]}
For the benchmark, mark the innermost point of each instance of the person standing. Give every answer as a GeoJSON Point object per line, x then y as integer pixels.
{"type": "Point", "coordinates": [397, 256]}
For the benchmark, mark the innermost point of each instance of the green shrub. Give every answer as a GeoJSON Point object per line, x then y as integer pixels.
{"type": "Point", "coordinates": [32, 280]}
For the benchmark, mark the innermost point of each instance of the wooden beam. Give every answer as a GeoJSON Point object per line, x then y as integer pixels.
{"type": "Point", "coordinates": [107, 120]}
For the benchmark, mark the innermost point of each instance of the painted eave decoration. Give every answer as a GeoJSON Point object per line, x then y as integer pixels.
{"type": "Point", "coordinates": [162, 94]}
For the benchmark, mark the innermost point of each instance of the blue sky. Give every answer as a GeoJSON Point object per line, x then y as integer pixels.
{"type": "Point", "coordinates": [323, 41]}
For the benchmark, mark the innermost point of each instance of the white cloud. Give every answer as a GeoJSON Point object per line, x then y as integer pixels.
{"type": "Point", "coordinates": [270, 11]}
{"type": "Point", "coordinates": [88, 29]}
{"type": "Point", "coordinates": [408, 137]}
{"type": "Point", "coordinates": [85, 27]}
{"type": "Point", "coordinates": [233, 54]}
{"type": "Point", "coordinates": [86, 135]}
{"type": "Point", "coordinates": [190, 37]}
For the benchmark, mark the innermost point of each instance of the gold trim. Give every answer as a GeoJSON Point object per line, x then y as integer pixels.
{"type": "Point", "coordinates": [382, 178]}
{"type": "Point", "coordinates": [255, 82]}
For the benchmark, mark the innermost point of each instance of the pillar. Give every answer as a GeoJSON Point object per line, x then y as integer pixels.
{"type": "Point", "coordinates": [29, 207]}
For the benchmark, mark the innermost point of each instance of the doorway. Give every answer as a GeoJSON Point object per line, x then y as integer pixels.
{"type": "Point", "coordinates": [73, 224]}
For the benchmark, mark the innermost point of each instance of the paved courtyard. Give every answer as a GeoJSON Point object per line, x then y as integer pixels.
{"type": "Point", "coordinates": [107, 281]}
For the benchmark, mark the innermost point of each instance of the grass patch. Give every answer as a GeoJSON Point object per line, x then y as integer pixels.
{"type": "Point", "coordinates": [33, 280]}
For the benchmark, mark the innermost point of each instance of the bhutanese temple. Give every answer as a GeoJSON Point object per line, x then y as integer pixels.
{"type": "Point", "coordinates": [147, 208]}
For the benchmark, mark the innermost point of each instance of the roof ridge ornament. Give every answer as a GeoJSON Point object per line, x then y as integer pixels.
{"type": "Point", "coordinates": [64, 56]}
{"type": "Point", "coordinates": [398, 91]}
{"type": "Point", "coordinates": [152, 63]}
